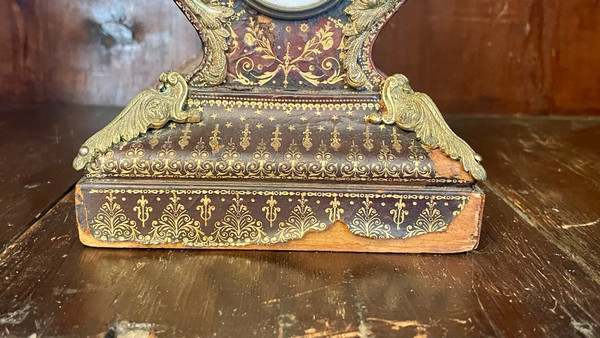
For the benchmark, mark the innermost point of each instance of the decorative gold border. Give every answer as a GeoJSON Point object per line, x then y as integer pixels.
{"type": "Point", "coordinates": [239, 222]}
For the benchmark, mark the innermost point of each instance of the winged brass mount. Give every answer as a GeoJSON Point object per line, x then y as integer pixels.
{"type": "Point", "coordinates": [150, 108]}
{"type": "Point", "coordinates": [410, 110]}
{"type": "Point", "coordinates": [416, 112]}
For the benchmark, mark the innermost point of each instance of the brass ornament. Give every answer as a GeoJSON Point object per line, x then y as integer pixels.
{"type": "Point", "coordinates": [414, 111]}
{"type": "Point", "coordinates": [211, 19]}
{"type": "Point", "coordinates": [302, 136]}
{"type": "Point", "coordinates": [364, 17]}
{"type": "Point", "coordinates": [150, 108]}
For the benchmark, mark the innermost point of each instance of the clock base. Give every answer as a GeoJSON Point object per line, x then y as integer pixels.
{"type": "Point", "coordinates": [208, 215]}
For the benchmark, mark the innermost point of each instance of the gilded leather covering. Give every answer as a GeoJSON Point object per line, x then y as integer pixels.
{"type": "Point", "coordinates": [283, 127]}
{"type": "Point", "coordinates": [228, 214]}
{"type": "Point", "coordinates": [284, 139]}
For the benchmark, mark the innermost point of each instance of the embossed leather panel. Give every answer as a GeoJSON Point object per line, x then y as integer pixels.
{"type": "Point", "coordinates": [277, 138]}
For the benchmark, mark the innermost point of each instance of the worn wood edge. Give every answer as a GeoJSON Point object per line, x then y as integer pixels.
{"type": "Point", "coordinates": [444, 166]}
{"type": "Point", "coordinates": [461, 235]}
{"type": "Point", "coordinates": [80, 209]}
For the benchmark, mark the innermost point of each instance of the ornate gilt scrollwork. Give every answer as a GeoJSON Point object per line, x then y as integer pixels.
{"type": "Point", "coordinates": [150, 108]}
{"type": "Point", "coordinates": [364, 15]}
{"type": "Point", "coordinates": [414, 111]}
{"type": "Point", "coordinates": [408, 109]}
{"type": "Point", "coordinates": [210, 18]}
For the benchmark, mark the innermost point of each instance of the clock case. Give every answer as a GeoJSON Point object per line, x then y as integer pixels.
{"type": "Point", "coordinates": [267, 144]}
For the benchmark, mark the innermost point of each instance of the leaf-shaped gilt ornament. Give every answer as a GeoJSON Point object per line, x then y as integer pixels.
{"type": "Point", "coordinates": [150, 108]}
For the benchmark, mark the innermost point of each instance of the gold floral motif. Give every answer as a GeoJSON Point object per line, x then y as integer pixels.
{"type": "Point", "coordinates": [301, 220]}
{"type": "Point", "coordinates": [332, 63]}
{"type": "Point", "coordinates": [184, 140]}
{"type": "Point", "coordinates": [335, 138]}
{"type": "Point", "coordinates": [133, 163]}
{"type": "Point", "coordinates": [430, 220]}
{"type": "Point", "coordinates": [234, 45]}
{"type": "Point", "coordinates": [356, 167]}
{"type": "Point", "coordinates": [385, 166]}
{"type": "Point", "coordinates": [307, 141]}
{"type": "Point", "coordinates": [205, 209]}
{"type": "Point", "coordinates": [399, 213]}
{"type": "Point", "coordinates": [229, 163]}
{"type": "Point", "coordinates": [143, 210]}
{"type": "Point", "coordinates": [271, 210]}
{"type": "Point", "coordinates": [175, 225]}
{"type": "Point", "coordinates": [198, 164]}
{"type": "Point", "coordinates": [260, 166]}
{"type": "Point", "coordinates": [335, 212]}
{"type": "Point", "coordinates": [167, 164]}
{"type": "Point", "coordinates": [154, 138]}
{"type": "Point", "coordinates": [245, 139]}
{"type": "Point", "coordinates": [255, 37]}
{"type": "Point", "coordinates": [368, 224]}
{"type": "Point", "coordinates": [214, 140]}
{"type": "Point", "coordinates": [418, 166]}
{"type": "Point", "coordinates": [238, 225]}
{"type": "Point", "coordinates": [276, 139]}
{"type": "Point", "coordinates": [322, 167]}
{"type": "Point", "coordinates": [292, 167]}
{"type": "Point", "coordinates": [111, 223]}
{"type": "Point", "coordinates": [461, 206]}
{"type": "Point", "coordinates": [105, 163]}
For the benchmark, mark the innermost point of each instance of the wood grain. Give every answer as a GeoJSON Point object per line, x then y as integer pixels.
{"type": "Point", "coordinates": [533, 274]}
{"type": "Point", "coordinates": [471, 56]}
{"type": "Point", "coordinates": [516, 283]}
{"type": "Point", "coordinates": [486, 56]}
{"type": "Point", "coordinates": [549, 170]}
{"type": "Point", "coordinates": [38, 145]}
{"type": "Point", "coordinates": [89, 52]}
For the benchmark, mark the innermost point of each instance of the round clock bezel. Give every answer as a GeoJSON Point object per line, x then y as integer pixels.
{"type": "Point", "coordinates": [295, 13]}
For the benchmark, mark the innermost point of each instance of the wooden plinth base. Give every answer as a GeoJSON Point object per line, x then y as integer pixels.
{"type": "Point", "coordinates": [187, 202]}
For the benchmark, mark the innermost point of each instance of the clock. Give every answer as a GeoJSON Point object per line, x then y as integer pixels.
{"type": "Point", "coordinates": [284, 128]}
{"type": "Point", "coordinates": [292, 9]}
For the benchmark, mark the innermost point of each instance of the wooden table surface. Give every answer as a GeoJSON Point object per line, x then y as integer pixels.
{"type": "Point", "coordinates": [536, 271]}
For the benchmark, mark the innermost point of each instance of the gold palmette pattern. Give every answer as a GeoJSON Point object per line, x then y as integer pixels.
{"type": "Point", "coordinates": [186, 216]}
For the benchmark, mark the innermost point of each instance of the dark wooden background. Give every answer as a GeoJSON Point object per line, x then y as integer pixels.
{"type": "Point", "coordinates": [471, 56]}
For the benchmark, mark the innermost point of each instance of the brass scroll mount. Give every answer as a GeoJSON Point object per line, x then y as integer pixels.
{"type": "Point", "coordinates": [150, 108]}
{"type": "Point", "coordinates": [414, 111]}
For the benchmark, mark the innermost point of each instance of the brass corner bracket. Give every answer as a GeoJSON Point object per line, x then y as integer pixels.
{"type": "Point", "coordinates": [414, 111]}
{"type": "Point", "coordinates": [150, 108]}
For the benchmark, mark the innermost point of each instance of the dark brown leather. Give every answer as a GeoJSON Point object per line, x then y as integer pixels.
{"type": "Point", "coordinates": [282, 138]}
